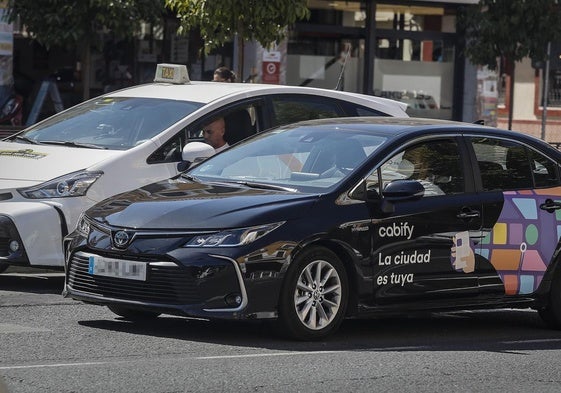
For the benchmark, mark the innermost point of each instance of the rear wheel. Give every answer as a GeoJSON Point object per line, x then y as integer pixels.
{"type": "Point", "coordinates": [132, 314]}
{"type": "Point", "coordinates": [314, 296]}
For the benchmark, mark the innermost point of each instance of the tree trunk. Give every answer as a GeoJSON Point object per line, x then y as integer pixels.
{"type": "Point", "coordinates": [511, 66]}
{"type": "Point", "coordinates": [86, 55]}
{"type": "Point", "coordinates": [239, 71]}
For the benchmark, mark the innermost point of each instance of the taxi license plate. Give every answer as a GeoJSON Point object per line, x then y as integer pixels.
{"type": "Point", "coordinates": [131, 270]}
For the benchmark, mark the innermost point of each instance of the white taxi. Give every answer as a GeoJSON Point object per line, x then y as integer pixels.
{"type": "Point", "coordinates": [52, 171]}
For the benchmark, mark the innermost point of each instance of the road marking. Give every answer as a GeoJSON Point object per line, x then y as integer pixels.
{"type": "Point", "coordinates": [11, 328]}
{"type": "Point", "coordinates": [55, 365]}
{"type": "Point", "coordinates": [196, 358]}
{"type": "Point", "coordinates": [256, 355]}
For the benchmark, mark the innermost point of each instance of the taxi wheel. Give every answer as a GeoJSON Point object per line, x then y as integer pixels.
{"type": "Point", "coordinates": [314, 296]}
{"type": "Point", "coordinates": [3, 267]}
{"type": "Point", "coordinates": [133, 315]}
{"type": "Point", "coordinates": [551, 314]}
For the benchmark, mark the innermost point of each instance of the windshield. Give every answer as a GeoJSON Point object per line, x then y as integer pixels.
{"type": "Point", "coordinates": [303, 158]}
{"type": "Point", "coordinates": [109, 123]}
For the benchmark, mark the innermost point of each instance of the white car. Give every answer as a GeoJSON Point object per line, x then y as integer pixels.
{"type": "Point", "coordinates": [52, 171]}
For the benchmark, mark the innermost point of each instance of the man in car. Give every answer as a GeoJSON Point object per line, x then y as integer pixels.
{"type": "Point", "coordinates": [214, 134]}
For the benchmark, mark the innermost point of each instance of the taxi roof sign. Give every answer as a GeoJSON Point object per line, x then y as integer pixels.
{"type": "Point", "coordinates": [171, 73]}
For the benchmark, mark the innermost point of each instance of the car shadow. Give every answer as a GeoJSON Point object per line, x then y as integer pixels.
{"type": "Point", "coordinates": [497, 331]}
{"type": "Point", "coordinates": [44, 283]}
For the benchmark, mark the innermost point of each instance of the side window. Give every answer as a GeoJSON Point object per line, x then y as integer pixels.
{"type": "Point", "coordinates": [435, 164]}
{"type": "Point", "coordinates": [169, 151]}
{"type": "Point", "coordinates": [545, 171]}
{"type": "Point", "coordinates": [363, 111]}
{"type": "Point", "coordinates": [298, 108]}
{"type": "Point", "coordinates": [240, 122]}
{"type": "Point", "coordinates": [507, 165]}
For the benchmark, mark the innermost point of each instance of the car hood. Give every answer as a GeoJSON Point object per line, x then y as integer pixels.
{"type": "Point", "coordinates": [31, 164]}
{"type": "Point", "coordinates": [196, 206]}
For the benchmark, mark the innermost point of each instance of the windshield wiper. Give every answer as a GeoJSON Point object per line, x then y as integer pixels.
{"type": "Point", "coordinates": [26, 139]}
{"type": "Point", "coordinates": [190, 177]}
{"type": "Point", "coordinates": [74, 144]}
{"type": "Point", "coordinates": [265, 186]}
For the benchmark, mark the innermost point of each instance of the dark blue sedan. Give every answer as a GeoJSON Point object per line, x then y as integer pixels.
{"type": "Point", "coordinates": [311, 223]}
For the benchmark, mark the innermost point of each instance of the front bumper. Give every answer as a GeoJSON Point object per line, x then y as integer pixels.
{"type": "Point", "coordinates": [210, 287]}
{"type": "Point", "coordinates": [37, 227]}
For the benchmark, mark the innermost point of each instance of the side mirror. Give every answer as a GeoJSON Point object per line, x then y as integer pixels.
{"type": "Point", "coordinates": [194, 152]}
{"type": "Point", "coordinates": [400, 190]}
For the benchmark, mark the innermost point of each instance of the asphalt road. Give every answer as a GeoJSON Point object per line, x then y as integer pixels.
{"type": "Point", "coordinates": [51, 344]}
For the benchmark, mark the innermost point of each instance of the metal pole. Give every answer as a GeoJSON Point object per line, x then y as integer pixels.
{"type": "Point", "coordinates": [545, 90]}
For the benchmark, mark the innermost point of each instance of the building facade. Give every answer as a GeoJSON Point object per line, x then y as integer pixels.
{"type": "Point", "coordinates": [408, 50]}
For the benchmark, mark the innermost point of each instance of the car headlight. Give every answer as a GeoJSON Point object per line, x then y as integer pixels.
{"type": "Point", "coordinates": [232, 237]}
{"type": "Point", "coordinates": [83, 226]}
{"type": "Point", "coordinates": [70, 185]}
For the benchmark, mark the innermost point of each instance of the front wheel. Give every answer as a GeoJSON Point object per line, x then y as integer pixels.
{"type": "Point", "coordinates": [132, 314]}
{"type": "Point", "coordinates": [314, 296]}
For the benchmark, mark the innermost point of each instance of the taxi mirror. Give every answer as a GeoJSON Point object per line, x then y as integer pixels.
{"type": "Point", "coordinates": [193, 153]}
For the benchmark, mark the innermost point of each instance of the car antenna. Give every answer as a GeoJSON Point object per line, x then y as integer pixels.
{"type": "Point", "coordinates": [340, 81]}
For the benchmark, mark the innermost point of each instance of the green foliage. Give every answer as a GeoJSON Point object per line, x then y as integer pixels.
{"type": "Point", "coordinates": [72, 23]}
{"type": "Point", "coordinates": [513, 29]}
{"type": "Point", "coordinates": [219, 20]}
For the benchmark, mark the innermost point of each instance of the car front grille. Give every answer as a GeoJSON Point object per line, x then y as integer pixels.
{"type": "Point", "coordinates": [164, 284]}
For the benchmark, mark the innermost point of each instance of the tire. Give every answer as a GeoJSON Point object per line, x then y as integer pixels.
{"type": "Point", "coordinates": [314, 296]}
{"type": "Point", "coordinates": [551, 313]}
{"type": "Point", "coordinates": [3, 267]}
{"type": "Point", "coordinates": [132, 314]}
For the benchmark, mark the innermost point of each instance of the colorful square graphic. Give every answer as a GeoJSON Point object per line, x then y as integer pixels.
{"type": "Point", "coordinates": [515, 234]}
{"type": "Point", "coordinates": [500, 233]}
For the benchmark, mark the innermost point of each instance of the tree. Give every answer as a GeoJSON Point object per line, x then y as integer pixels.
{"type": "Point", "coordinates": [80, 25]}
{"type": "Point", "coordinates": [222, 21]}
{"type": "Point", "coordinates": [511, 30]}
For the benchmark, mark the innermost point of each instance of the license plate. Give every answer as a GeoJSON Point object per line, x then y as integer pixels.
{"type": "Point", "coordinates": [130, 270]}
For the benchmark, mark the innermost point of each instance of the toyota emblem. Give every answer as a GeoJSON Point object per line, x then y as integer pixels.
{"type": "Point", "coordinates": [121, 239]}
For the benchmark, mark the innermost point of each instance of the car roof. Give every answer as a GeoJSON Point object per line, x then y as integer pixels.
{"type": "Point", "coordinates": [206, 92]}
{"type": "Point", "coordinates": [391, 125]}
{"type": "Point", "coordinates": [396, 127]}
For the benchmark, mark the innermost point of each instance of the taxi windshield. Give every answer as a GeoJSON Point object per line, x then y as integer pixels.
{"type": "Point", "coordinates": [116, 123]}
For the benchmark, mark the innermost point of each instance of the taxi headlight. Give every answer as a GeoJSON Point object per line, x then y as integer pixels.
{"type": "Point", "coordinates": [232, 237]}
{"type": "Point", "coordinates": [70, 185]}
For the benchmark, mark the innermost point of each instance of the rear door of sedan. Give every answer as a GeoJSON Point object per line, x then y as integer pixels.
{"type": "Point", "coordinates": [521, 194]}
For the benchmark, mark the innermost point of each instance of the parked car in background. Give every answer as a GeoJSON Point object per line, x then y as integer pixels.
{"type": "Point", "coordinates": [314, 222]}
{"type": "Point", "coordinates": [54, 170]}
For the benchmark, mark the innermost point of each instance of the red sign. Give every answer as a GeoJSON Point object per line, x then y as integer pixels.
{"type": "Point", "coordinates": [271, 68]}
{"type": "Point", "coordinates": [271, 73]}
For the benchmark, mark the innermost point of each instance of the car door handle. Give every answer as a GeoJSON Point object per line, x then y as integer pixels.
{"type": "Point", "coordinates": [550, 206]}
{"type": "Point", "coordinates": [467, 213]}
